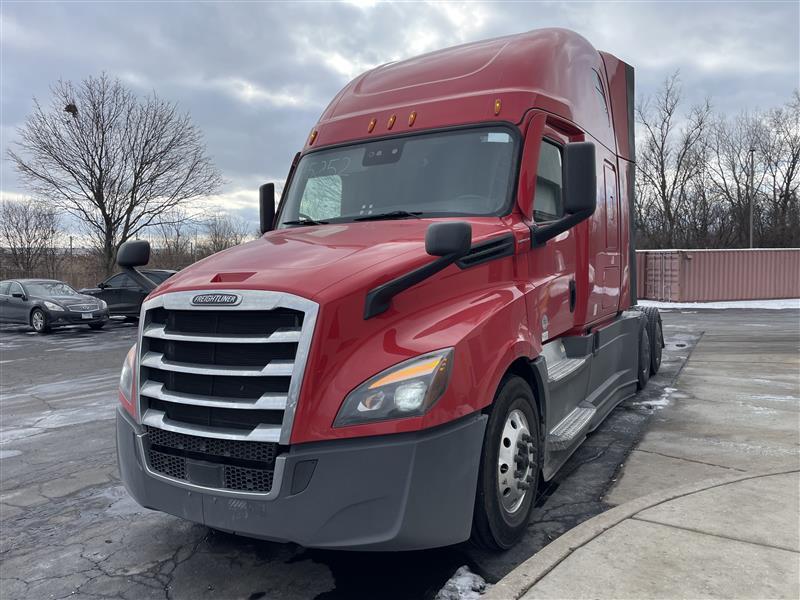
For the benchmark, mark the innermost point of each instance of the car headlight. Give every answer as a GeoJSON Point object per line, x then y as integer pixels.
{"type": "Point", "coordinates": [102, 303]}
{"type": "Point", "coordinates": [53, 306]}
{"type": "Point", "coordinates": [408, 389]}
{"type": "Point", "coordinates": [126, 382]}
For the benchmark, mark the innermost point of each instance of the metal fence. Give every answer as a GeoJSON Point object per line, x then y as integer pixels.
{"type": "Point", "coordinates": [707, 275]}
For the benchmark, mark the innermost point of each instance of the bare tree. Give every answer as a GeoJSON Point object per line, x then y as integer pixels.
{"type": "Point", "coordinates": [669, 157]}
{"type": "Point", "coordinates": [224, 231]}
{"type": "Point", "coordinates": [737, 172]}
{"type": "Point", "coordinates": [175, 235]}
{"type": "Point", "coordinates": [114, 161]}
{"type": "Point", "coordinates": [28, 233]}
{"type": "Point", "coordinates": [780, 147]}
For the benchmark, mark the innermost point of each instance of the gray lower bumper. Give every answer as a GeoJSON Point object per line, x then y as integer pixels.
{"type": "Point", "coordinates": [399, 492]}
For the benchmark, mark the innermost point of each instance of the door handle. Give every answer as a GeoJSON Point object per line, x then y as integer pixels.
{"type": "Point", "coordinates": [572, 295]}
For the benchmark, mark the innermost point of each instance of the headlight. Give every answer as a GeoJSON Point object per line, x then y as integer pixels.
{"type": "Point", "coordinates": [53, 306]}
{"type": "Point", "coordinates": [126, 382]}
{"type": "Point", "coordinates": [408, 389]}
{"type": "Point", "coordinates": [102, 303]}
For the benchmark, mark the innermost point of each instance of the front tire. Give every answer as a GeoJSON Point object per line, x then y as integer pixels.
{"type": "Point", "coordinates": [39, 321]}
{"type": "Point", "coordinates": [96, 326]}
{"type": "Point", "coordinates": [509, 472]}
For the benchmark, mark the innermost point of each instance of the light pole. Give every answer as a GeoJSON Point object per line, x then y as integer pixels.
{"type": "Point", "coordinates": [750, 192]}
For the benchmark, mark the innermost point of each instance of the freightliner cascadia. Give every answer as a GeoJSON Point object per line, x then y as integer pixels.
{"type": "Point", "coordinates": [439, 311]}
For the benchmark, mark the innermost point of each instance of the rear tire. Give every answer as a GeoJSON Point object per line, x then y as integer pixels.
{"type": "Point", "coordinates": [644, 358]}
{"type": "Point", "coordinates": [656, 335]}
{"type": "Point", "coordinates": [509, 471]}
{"type": "Point", "coordinates": [39, 321]}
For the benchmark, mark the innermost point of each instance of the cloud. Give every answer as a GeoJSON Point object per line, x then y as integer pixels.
{"type": "Point", "coordinates": [256, 76]}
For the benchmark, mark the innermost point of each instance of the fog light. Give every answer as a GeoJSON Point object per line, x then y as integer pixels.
{"type": "Point", "coordinates": [409, 396]}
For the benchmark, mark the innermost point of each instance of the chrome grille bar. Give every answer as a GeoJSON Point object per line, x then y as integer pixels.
{"type": "Point", "coordinates": [262, 433]}
{"type": "Point", "coordinates": [155, 389]}
{"type": "Point", "coordinates": [289, 335]}
{"type": "Point", "coordinates": [276, 368]}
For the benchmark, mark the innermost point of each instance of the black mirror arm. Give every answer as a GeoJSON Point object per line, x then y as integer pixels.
{"type": "Point", "coordinates": [541, 234]}
{"type": "Point", "coordinates": [143, 280]}
{"type": "Point", "coordinates": [379, 299]}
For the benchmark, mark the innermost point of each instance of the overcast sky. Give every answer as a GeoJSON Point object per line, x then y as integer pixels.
{"type": "Point", "coordinates": [256, 76]}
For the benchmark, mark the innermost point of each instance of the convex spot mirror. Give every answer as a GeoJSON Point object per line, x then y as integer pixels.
{"type": "Point", "coordinates": [452, 238]}
{"type": "Point", "coordinates": [134, 254]}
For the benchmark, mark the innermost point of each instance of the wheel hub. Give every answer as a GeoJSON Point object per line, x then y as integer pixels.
{"type": "Point", "coordinates": [516, 462]}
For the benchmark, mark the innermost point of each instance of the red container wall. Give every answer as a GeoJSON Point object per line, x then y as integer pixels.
{"type": "Point", "coordinates": [707, 275]}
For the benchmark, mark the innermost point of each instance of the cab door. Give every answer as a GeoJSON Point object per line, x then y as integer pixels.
{"type": "Point", "coordinates": [551, 300]}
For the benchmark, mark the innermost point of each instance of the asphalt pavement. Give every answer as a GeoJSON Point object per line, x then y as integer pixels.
{"type": "Point", "coordinates": [70, 529]}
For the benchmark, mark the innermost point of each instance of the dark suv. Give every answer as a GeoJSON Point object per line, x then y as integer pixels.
{"type": "Point", "coordinates": [47, 303]}
{"type": "Point", "coordinates": [122, 294]}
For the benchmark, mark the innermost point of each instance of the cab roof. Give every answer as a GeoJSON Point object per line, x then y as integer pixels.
{"type": "Point", "coordinates": [556, 70]}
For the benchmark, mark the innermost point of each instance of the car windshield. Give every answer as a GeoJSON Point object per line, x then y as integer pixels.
{"type": "Point", "coordinates": [464, 172]}
{"type": "Point", "coordinates": [46, 289]}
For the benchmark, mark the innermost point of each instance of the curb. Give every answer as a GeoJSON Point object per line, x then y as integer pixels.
{"type": "Point", "coordinates": [525, 576]}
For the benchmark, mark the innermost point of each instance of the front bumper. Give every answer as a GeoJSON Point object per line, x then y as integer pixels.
{"type": "Point", "coordinates": [400, 492]}
{"type": "Point", "coordinates": [69, 317]}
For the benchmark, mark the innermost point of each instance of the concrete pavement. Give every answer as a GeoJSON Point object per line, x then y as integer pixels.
{"type": "Point", "coordinates": [729, 538]}
{"type": "Point", "coordinates": [709, 500]}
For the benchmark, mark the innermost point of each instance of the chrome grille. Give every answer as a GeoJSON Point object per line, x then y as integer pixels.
{"type": "Point", "coordinates": [220, 383]}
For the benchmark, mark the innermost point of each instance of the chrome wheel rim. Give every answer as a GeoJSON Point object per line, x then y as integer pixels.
{"type": "Point", "coordinates": [515, 464]}
{"type": "Point", "coordinates": [38, 321]}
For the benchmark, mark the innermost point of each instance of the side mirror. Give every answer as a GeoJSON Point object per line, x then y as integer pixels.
{"type": "Point", "coordinates": [102, 285]}
{"type": "Point", "coordinates": [266, 206]}
{"type": "Point", "coordinates": [448, 239]}
{"type": "Point", "coordinates": [134, 254]}
{"type": "Point", "coordinates": [580, 178]}
{"type": "Point", "coordinates": [579, 192]}
{"type": "Point", "coordinates": [19, 295]}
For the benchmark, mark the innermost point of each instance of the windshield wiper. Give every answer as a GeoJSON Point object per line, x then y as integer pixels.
{"type": "Point", "coordinates": [304, 222]}
{"type": "Point", "coordinates": [394, 214]}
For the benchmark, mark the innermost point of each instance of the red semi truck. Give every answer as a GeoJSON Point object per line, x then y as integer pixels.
{"type": "Point", "coordinates": [437, 314]}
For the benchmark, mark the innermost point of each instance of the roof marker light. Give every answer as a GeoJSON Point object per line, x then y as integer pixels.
{"type": "Point", "coordinates": [411, 118]}
{"type": "Point", "coordinates": [392, 119]}
{"type": "Point", "coordinates": [312, 137]}
{"type": "Point", "coordinates": [371, 125]}
{"type": "Point", "coordinates": [497, 106]}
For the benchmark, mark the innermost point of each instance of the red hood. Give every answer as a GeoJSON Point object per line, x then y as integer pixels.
{"type": "Point", "coordinates": [307, 260]}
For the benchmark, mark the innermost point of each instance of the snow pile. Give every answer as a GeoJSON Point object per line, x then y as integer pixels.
{"type": "Point", "coordinates": [463, 585]}
{"type": "Point", "coordinates": [763, 304]}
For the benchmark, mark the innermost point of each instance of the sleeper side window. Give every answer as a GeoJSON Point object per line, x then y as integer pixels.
{"type": "Point", "coordinates": [547, 202]}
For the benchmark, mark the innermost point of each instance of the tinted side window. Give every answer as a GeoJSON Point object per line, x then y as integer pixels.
{"type": "Point", "coordinates": [4, 287]}
{"type": "Point", "coordinates": [120, 280]}
{"type": "Point", "coordinates": [547, 202]}
{"type": "Point", "coordinates": [157, 277]}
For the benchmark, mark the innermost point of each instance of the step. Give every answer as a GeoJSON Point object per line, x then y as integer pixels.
{"type": "Point", "coordinates": [563, 368]}
{"type": "Point", "coordinates": [570, 427]}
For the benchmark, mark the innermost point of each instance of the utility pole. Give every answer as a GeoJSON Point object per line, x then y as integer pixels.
{"type": "Point", "coordinates": [751, 193]}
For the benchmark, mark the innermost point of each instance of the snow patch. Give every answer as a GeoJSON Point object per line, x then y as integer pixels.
{"type": "Point", "coordinates": [9, 453]}
{"type": "Point", "coordinates": [763, 304]}
{"type": "Point", "coordinates": [463, 585]}
{"type": "Point", "coordinates": [662, 402]}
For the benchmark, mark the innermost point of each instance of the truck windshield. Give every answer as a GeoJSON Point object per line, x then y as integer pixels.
{"type": "Point", "coordinates": [464, 172]}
